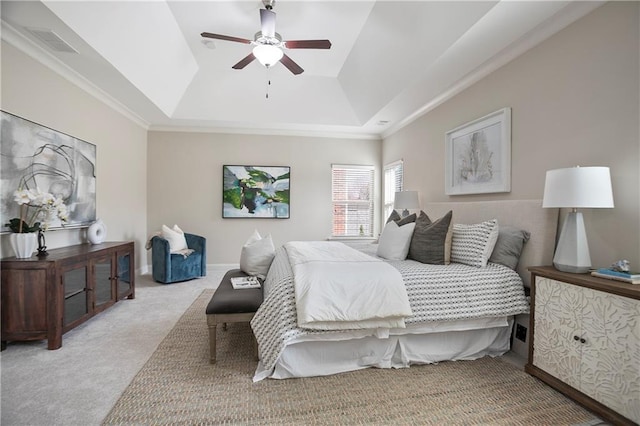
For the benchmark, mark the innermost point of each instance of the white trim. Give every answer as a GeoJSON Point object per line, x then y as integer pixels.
{"type": "Point", "coordinates": [35, 51]}
{"type": "Point", "coordinates": [211, 267]}
{"type": "Point", "coordinates": [353, 166]}
{"type": "Point", "coordinates": [267, 132]}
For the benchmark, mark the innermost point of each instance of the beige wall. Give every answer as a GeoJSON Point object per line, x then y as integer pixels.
{"type": "Point", "coordinates": [34, 92]}
{"type": "Point", "coordinates": [185, 184]}
{"type": "Point", "coordinates": [575, 101]}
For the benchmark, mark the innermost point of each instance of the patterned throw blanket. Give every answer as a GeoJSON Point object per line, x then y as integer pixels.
{"type": "Point", "coordinates": [436, 293]}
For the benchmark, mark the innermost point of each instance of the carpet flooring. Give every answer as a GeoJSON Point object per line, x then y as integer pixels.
{"type": "Point", "coordinates": [177, 385]}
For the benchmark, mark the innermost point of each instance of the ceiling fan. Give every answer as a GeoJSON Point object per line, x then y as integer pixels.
{"type": "Point", "coordinates": [268, 44]}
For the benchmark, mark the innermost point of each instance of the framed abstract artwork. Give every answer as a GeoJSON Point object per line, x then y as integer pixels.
{"type": "Point", "coordinates": [34, 156]}
{"type": "Point", "coordinates": [255, 192]}
{"type": "Point", "coordinates": [478, 155]}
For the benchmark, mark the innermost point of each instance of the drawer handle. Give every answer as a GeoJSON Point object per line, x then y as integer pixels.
{"type": "Point", "coordinates": [576, 338]}
{"type": "Point", "coordinates": [581, 339]}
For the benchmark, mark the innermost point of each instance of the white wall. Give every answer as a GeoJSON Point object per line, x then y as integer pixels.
{"type": "Point", "coordinates": [32, 91]}
{"type": "Point", "coordinates": [185, 184]}
{"type": "Point", "coordinates": [575, 101]}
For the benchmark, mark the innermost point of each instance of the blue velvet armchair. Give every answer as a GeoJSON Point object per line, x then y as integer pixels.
{"type": "Point", "coordinates": [170, 268]}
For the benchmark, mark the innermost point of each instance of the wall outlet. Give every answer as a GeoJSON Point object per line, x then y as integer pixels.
{"type": "Point", "coordinates": [521, 332]}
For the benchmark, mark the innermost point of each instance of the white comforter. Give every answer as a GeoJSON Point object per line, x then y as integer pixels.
{"type": "Point", "coordinates": [334, 291]}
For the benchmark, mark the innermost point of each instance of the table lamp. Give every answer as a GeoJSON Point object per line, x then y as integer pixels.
{"type": "Point", "coordinates": [576, 187]}
{"type": "Point", "coordinates": [406, 200]}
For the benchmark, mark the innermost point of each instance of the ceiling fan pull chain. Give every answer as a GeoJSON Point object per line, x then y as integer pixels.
{"type": "Point", "coordinates": [268, 83]}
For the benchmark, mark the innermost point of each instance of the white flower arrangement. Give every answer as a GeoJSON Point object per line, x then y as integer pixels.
{"type": "Point", "coordinates": [37, 210]}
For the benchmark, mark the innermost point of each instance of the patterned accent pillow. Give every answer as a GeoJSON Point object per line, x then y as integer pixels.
{"type": "Point", "coordinates": [473, 244]}
{"type": "Point", "coordinates": [429, 241]}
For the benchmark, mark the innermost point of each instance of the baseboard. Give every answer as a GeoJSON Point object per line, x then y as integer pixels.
{"type": "Point", "coordinates": [211, 267]}
{"type": "Point", "coordinates": [221, 267]}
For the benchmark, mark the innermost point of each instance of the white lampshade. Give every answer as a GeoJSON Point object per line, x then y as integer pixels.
{"type": "Point", "coordinates": [267, 54]}
{"type": "Point", "coordinates": [576, 187]}
{"type": "Point", "coordinates": [406, 200]}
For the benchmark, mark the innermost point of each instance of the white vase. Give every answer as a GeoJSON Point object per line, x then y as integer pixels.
{"type": "Point", "coordinates": [24, 244]}
{"type": "Point", "coordinates": [97, 232]}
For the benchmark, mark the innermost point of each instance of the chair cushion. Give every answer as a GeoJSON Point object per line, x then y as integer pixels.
{"type": "Point", "coordinates": [185, 268]}
{"type": "Point", "coordinates": [227, 300]}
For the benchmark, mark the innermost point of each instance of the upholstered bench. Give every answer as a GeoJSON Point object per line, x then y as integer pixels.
{"type": "Point", "coordinates": [230, 305]}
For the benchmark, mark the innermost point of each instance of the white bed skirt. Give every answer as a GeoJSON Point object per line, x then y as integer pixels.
{"type": "Point", "coordinates": [457, 340]}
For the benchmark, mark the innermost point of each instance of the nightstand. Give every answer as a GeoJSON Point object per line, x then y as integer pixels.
{"type": "Point", "coordinates": [585, 341]}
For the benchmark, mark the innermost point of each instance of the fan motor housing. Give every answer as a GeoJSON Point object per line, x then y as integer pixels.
{"type": "Point", "coordinates": [259, 38]}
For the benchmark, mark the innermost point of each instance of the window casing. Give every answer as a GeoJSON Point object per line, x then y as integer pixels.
{"type": "Point", "coordinates": [352, 200]}
{"type": "Point", "coordinates": [393, 181]}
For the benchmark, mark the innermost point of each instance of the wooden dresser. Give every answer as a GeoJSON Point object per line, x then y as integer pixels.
{"type": "Point", "coordinates": [585, 341]}
{"type": "Point", "coordinates": [43, 298]}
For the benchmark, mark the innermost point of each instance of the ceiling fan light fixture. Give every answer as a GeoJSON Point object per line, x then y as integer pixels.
{"type": "Point", "coordinates": [267, 54]}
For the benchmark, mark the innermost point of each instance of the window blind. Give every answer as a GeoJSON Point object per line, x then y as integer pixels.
{"type": "Point", "coordinates": [393, 182]}
{"type": "Point", "coordinates": [352, 199]}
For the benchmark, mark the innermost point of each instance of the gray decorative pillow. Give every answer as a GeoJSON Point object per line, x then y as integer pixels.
{"type": "Point", "coordinates": [429, 239]}
{"type": "Point", "coordinates": [509, 246]}
{"type": "Point", "coordinates": [473, 244]}
{"type": "Point", "coordinates": [394, 216]}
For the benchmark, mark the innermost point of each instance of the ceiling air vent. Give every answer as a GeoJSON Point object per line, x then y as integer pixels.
{"type": "Point", "coordinates": [52, 40]}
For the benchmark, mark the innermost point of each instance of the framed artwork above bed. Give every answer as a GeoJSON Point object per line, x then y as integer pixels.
{"type": "Point", "coordinates": [255, 192]}
{"type": "Point", "coordinates": [478, 155]}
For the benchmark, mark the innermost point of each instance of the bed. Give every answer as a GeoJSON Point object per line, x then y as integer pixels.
{"type": "Point", "coordinates": [458, 312]}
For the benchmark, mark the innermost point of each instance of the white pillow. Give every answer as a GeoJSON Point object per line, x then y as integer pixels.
{"type": "Point", "coordinates": [473, 244]}
{"type": "Point", "coordinates": [175, 237]}
{"type": "Point", "coordinates": [395, 240]}
{"type": "Point", "coordinates": [257, 255]}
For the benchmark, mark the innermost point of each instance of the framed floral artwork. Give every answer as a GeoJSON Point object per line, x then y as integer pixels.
{"type": "Point", "coordinates": [255, 192]}
{"type": "Point", "coordinates": [478, 155]}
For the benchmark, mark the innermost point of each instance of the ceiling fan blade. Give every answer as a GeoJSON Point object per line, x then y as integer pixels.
{"type": "Point", "coordinates": [268, 22]}
{"type": "Point", "coordinates": [307, 44]}
{"type": "Point", "coordinates": [244, 62]}
{"type": "Point", "coordinates": [227, 38]}
{"type": "Point", "coordinates": [291, 66]}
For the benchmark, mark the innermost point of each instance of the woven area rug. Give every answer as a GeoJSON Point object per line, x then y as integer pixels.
{"type": "Point", "coordinates": [179, 386]}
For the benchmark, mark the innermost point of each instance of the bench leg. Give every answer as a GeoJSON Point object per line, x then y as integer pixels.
{"type": "Point", "coordinates": [212, 340]}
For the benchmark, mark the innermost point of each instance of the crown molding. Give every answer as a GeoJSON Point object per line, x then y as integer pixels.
{"type": "Point", "coordinates": [318, 133]}
{"type": "Point", "coordinates": [18, 40]}
{"type": "Point", "coordinates": [531, 39]}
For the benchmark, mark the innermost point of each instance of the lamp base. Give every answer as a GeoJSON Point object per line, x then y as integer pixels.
{"type": "Point", "coordinates": [572, 251]}
{"type": "Point", "coordinates": [572, 269]}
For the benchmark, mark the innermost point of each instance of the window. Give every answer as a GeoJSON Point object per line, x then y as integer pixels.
{"type": "Point", "coordinates": [352, 200]}
{"type": "Point", "coordinates": [393, 182]}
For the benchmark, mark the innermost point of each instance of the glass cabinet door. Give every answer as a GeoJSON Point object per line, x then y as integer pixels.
{"type": "Point", "coordinates": [104, 286]}
{"type": "Point", "coordinates": [76, 295]}
{"type": "Point", "coordinates": [124, 274]}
